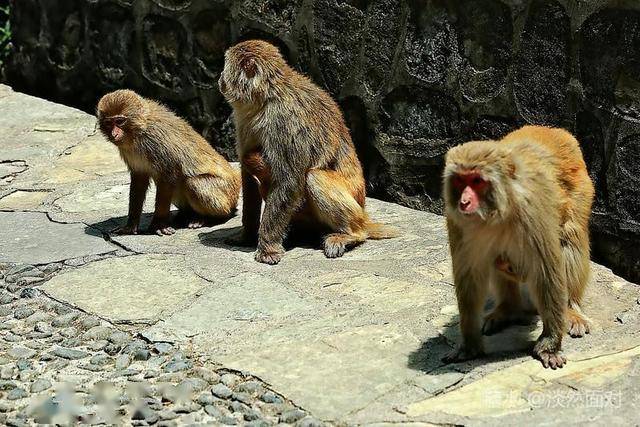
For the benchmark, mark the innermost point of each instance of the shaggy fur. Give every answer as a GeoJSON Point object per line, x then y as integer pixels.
{"type": "Point", "coordinates": [531, 228]}
{"type": "Point", "coordinates": [159, 145]}
{"type": "Point", "coordinates": [296, 154]}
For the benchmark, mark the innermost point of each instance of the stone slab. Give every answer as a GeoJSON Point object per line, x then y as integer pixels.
{"type": "Point", "coordinates": [135, 289]}
{"type": "Point", "coordinates": [23, 200]}
{"type": "Point", "coordinates": [31, 238]}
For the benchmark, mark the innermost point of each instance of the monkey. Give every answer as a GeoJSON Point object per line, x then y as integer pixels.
{"type": "Point", "coordinates": [517, 213]}
{"type": "Point", "coordinates": [296, 155]}
{"type": "Point", "coordinates": [158, 145]}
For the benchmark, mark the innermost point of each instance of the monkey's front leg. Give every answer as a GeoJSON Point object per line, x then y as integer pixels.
{"type": "Point", "coordinates": [551, 298]}
{"type": "Point", "coordinates": [471, 297]}
{"type": "Point", "coordinates": [283, 199]}
{"type": "Point", "coordinates": [161, 217]}
{"type": "Point", "coordinates": [137, 194]}
{"type": "Point", "coordinates": [251, 206]}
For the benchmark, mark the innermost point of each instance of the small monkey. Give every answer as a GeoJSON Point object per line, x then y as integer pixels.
{"type": "Point", "coordinates": [187, 171]}
{"type": "Point", "coordinates": [517, 213]}
{"type": "Point", "coordinates": [296, 154]}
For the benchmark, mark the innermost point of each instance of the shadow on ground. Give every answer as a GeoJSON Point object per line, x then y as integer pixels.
{"type": "Point", "coordinates": [511, 343]}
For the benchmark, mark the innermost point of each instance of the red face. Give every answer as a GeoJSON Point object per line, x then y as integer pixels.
{"type": "Point", "coordinates": [472, 186]}
{"type": "Point", "coordinates": [113, 128]}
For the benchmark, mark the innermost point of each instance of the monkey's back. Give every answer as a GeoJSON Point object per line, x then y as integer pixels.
{"type": "Point", "coordinates": [173, 142]}
{"type": "Point", "coordinates": [569, 167]}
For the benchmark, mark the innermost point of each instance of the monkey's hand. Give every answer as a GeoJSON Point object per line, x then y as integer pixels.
{"type": "Point", "coordinates": [269, 255]}
{"type": "Point", "coordinates": [161, 228]}
{"type": "Point", "coordinates": [547, 349]}
{"type": "Point", "coordinates": [243, 239]}
{"type": "Point", "coordinates": [463, 353]}
{"type": "Point", "coordinates": [125, 229]}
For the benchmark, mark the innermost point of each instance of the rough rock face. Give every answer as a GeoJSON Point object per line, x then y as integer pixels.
{"type": "Point", "coordinates": [413, 78]}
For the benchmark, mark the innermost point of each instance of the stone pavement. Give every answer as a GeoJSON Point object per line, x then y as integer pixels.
{"type": "Point", "coordinates": [355, 340]}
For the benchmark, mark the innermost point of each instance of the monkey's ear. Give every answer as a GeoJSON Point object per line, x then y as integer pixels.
{"type": "Point", "coordinates": [249, 67]}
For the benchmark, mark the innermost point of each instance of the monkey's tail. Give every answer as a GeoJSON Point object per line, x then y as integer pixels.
{"type": "Point", "coordinates": [377, 231]}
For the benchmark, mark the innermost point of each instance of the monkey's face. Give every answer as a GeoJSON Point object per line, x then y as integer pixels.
{"type": "Point", "coordinates": [471, 192]}
{"type": "Point", "coordinates": [477, 182]}
{"type": "Point", "coordinates": [115, 128]}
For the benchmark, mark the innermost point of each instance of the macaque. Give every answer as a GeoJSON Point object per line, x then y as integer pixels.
{"type": "Point", "coordinates": [156, 144]}
{"type": "Point", "coordinates": [517, 214]}
{"type": "Point", "coordinates": [296, 154]}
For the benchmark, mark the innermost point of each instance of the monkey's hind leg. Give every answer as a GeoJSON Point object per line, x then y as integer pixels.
{"type": "Point", "coordinates": [211, 200]}
{"type": "Point", "coordinates": [335, 207]}
{"type": "Point", "coordinates": [576, 264]}
{"type": "Point", "coordinates": [508, 308]}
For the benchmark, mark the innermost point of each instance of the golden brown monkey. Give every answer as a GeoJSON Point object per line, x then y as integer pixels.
{"type": "Point", "coordinates": [156, 144]}
{"type": "Point", "coordinates": [517, 213]}
{"type": "Point", "coordinates": [296, 154]}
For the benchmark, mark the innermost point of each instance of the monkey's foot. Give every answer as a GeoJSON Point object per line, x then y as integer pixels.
{"type": "Point", "coordinates": [547, 350]}
{"type": "Point", "coordinates": [161, 229]}
{"type": "Point", "coordinates": [334, 246]}
{"type": "Point", "coordinates": [463, 353]}
{"type": "Point", "coordinates": [125, 229]}
{"type": "Point", "coordinates": [196, 223]}
{"type": "Point", "coordinates": [578, 324]}
{"type": "Point", "coordinates": [271, 257]}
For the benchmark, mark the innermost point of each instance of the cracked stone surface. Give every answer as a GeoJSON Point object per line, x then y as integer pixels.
{"type": "Point", "coordinates": [356, 340]}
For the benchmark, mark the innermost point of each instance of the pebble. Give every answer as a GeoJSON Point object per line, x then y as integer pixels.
{"type": "Point", "coordinates": [17, 393]}
{"type": "Point", "coordinates": [20, 352]}
{"type": "Point", "coordinates": [23, 313]}
{"type": "Point", "coordinates": [251, 387]}
{"type": "Point", "coordinates": [29, 293]}
{"type": "Point", "coordinates": [163, 347]}
{"type": "Point", "coordinates": [41, 384]}
{"type": "Point", "coordinates": [98, 345]}
{"type": "Point", "coordinates": [64, 319]}
{"type": "Point", "coordinates": [119, 338]}
{"type": "Point", "coordinates": [5, 311]}
{"type": "Point", "coordinates": [292, 416]}
{"type": "Point", "coordinates": [7, 385]}
{"type": "Point", "coordinates": [11, 337]}
{"type": "Point", "coordinates": [257, 423]}
{"type": "Point", "coordinates": [187, 408]}
{"type": "Point", "coordinates": [309, 421]}
{"type": "Point", "coordinates": [88, 322]}
{"type": "Point", "coordinates": [51, 268]}
{"type": "Point", "coordinates": [123, 361]}
{"type": "Point", "coordinates": [222, 391]}
{"type": "Point", "coordinates": [100, 359]}
{"type": "Point", "coordinates": [178, 365]}
{"type": "Point", "coordinates": [219, 416]}
{"type": "Point", "coordinates": [23, 364]}
{"type": "Point", "coordinates": [98, 333]}
{"type": "Point", "coordinates": [69, 332]}
{"type": "Point", "coordinates": [141, 354]}
{"type": "Point", "coordinates": [112, 349]}
{"type": "Point", "coordinates": [42, 327]}
{"type": "Point", "coordinates": [207, 374]}
{"type": "Point", "coordinates": [193, 385]}
{"type": "Point", "coordinates": [270, 397]}
{"type": "Point", "coordinates": [167, 415]}
{"type": "Point", "coordinates": [69, 353]}
{"type": "Point", "coordinates": [146, 414]}
{"type": "Point", "coordinates": [6, 298]}
{"type": "Point", "coordinates": [206, 399]}
{"type": "Point", "coordinates": [230, 380]}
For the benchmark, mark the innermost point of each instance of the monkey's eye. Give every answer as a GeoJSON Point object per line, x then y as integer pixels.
{"type": "Point", "coordinates": [458, 182]}
{"type": "Point", "coordinates": [477, 181]}
{"type": "Point", "coordinates": [119, 121]}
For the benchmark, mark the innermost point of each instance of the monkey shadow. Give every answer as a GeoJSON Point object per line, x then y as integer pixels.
{"type": "Point", "coordinates": [108, 225]}
{"type": "Point", "coordinates": [221, 238]}
{"type": "Point", "coordinates": [513, 342]}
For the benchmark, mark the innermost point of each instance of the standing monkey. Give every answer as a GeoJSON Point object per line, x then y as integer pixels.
{"type": "Point", "coordinates": [517, 213]}
{"type": "Point", "coordinates": [156, 144]}
{"type": "Point", "coordinates": [296, 154]}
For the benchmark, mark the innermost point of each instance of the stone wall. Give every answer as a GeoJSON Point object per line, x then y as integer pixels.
{"type": "Point", "coordinates": [414, 77]}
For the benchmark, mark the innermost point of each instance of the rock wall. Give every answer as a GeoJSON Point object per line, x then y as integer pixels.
{"type": "Point", "coordinates": [414, 77]}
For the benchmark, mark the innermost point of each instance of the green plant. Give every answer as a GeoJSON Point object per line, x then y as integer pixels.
{"type": "Point", "coordinates": [5, 34]}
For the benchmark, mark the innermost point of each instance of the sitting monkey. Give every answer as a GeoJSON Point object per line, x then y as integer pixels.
{"type": "Point", "coordinates": [187, 171]}
{"type": "Point", "coordinates": [296, 154]}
